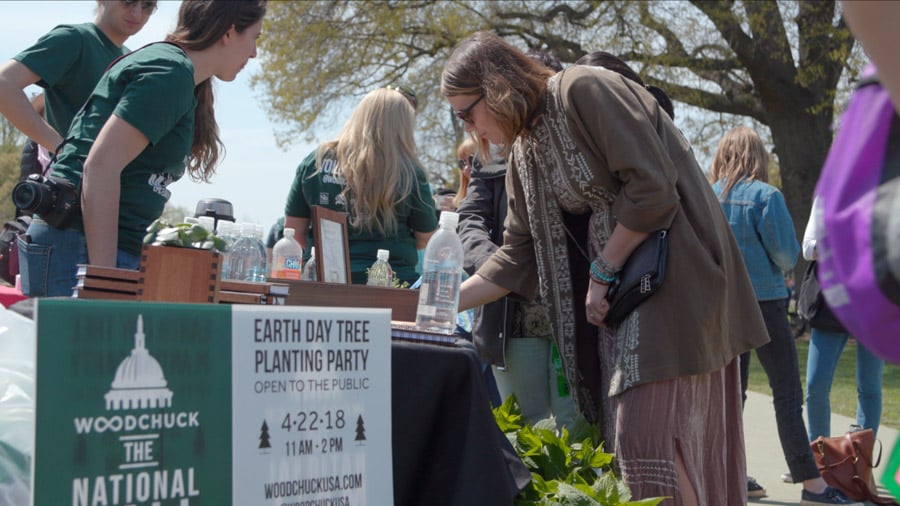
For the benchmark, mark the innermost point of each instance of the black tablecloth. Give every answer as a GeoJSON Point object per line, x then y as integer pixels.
{"type": "Point", "coordinates": [447, 448]}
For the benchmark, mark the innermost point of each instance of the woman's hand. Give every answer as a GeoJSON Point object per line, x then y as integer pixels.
{"type": "Point", "coordinates": [596, 305]}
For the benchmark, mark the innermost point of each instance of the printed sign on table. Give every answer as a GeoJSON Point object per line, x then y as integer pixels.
{"type": "Point", "coordinates": [182, 405]}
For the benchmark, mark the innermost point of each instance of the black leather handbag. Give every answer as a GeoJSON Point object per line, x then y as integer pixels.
{"type": "Point", "coordinates": [639, 278]}
{"type": "Point", "coordinates": [811, 303]}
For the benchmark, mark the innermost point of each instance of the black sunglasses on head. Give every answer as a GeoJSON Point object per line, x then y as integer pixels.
{"type": "Point", "coordinates": [407, 92]}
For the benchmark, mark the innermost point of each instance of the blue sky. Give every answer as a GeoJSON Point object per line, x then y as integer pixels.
{"type": "Point", "coordinates": [255, 175]}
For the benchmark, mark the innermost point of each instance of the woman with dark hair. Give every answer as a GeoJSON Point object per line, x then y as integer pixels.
{"type": "Point", "coordinates": [149, 115]}
{"type": "Point", "coordinates": [595, 164]}
{"type": "Point", "coordinates": [610, 62]}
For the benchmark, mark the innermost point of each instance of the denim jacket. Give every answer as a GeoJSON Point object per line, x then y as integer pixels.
{"type": "Point", "coordinates": [764, 232]}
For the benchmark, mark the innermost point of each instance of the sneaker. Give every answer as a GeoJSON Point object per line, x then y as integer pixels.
{"type": "Point", "coordinates": [829, 496]}
{"type": "Point", "coordinates": [787, 478]}
{"type": "Point", "coordinates": [754, 489]}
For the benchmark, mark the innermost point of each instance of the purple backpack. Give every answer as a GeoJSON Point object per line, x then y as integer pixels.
{"type": "Point", "coordinates": [859, 248]}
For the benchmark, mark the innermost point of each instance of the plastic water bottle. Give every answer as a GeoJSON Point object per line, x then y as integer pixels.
{"type": "Point", "coordinates": [441, 276]}
{"type": "Point", "coordinates": [309, 269]}
{"type": "Point", "coordinates": [287, 257]}
{"type": "Point", "coordinates": [226, 232]}
{"type": "Point", "coordinates": [381, 274]}
{"type": "Point", "coordinates": [260, 271]}
{"type": "Point", "coordinates": [245, 260]}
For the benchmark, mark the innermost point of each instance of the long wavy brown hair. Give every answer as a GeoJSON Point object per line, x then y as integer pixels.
{"type": "Point", "coordinates": [512, 82]}
{"type": "Point", "coordinates": [741, 155]}
{"type": "Point", "coordinates": [201, 23]}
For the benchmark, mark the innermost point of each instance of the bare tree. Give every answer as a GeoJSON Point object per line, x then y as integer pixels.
{"type": "Point", "coordinates": [775, 65]}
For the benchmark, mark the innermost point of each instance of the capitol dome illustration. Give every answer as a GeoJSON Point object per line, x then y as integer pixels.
{"type": "Point", "coordinates": [139, 382]}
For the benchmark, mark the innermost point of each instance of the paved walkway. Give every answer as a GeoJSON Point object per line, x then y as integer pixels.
{"type": "Point", "coordinates": [765, 460]}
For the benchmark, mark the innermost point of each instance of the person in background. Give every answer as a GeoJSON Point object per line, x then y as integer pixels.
{"type": "Point", "coordinates": [374, 175]}
{"type": "Point", "coordinates": [547, 59]}
{"type": "Point", "coordinates": [613, 63]}
{"type": "Point", "coordinates": [514, 337]}
{"type": "Point", "coordinates": [592, 152]}
{"type": "Point", "coordinates": [151, 111]}
{"type": "Point", "coordinates": [768, 243]}
{"type": "Point", "coordinates": [465, 157]}
{"type": "Point", "coordinates": [825, 348]}
{"type": "Point", "coordinates": [67, 62]}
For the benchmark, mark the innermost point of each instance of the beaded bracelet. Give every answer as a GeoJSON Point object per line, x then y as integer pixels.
{"type": "Point", "coordinates": [604, 266]}
{"type": "Point", "coordinates": [600, 277]}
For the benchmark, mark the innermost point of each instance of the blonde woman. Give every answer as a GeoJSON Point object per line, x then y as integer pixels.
{"type": "Point", "coordinates": [768, 242]}
{"type": "Point", "coordinates": [372, 172]}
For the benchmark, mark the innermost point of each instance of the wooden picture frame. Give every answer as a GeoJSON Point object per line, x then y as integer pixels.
{"type": "Point", "coordinates": [332, 246]}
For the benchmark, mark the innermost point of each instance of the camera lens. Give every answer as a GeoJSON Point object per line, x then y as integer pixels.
{"type": "Point", "coordinates": [24, 196]}
{"type": "Point", "coordinates": [28, 195]}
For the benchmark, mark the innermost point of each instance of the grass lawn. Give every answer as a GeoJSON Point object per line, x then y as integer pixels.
{"type": "Point", "coordinates": [843, 391]}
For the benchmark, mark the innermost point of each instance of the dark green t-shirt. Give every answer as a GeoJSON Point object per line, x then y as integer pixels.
{"type": "Point", "coordinates": [153, 90]}
{"type": "Point", "coordinates": [69, 60]}
{"type": "Point", "coordinates": [415, 213]}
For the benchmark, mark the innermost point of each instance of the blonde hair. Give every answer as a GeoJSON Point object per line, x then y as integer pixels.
{"type": "Point", "coordinates": [376, 155]}
{"type": "Point", "coordinates": [513, 84]}
{"type": "Point", "coordinates": [468, 147]}
{"type": "Point", "coordinates": [741, 155]}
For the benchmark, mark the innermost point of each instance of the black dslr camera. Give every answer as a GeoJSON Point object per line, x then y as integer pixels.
{"type": "Point", "coordinates": [56, 200]}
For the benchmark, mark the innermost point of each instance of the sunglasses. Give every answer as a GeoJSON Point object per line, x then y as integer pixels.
{"type": "Point", "coordinates": [465, 163]}
{"type": "Point", "coordinates": [407, 92]}
{"type": "Point", "coordinates": [146, 5]}
{"type": "Point", "coordinates": [465, 115]}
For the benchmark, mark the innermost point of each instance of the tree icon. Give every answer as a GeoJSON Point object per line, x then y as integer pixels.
{"type": "Point", "coordinates": [360, 429]}
{"type": "Point", "coordinates": [264, 436]}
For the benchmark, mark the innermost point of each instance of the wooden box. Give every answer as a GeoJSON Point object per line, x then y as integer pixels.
{"type": "Point", "coordinates": [173, 274]}
{"type": "Point", "coordinates": [401, 301]}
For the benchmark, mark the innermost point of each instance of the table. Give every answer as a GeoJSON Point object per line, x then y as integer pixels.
{"type": "Point", "coordinates": [447, 447]}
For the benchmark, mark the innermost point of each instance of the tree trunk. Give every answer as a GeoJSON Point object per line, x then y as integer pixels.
{"type": "Point", "coordinates": [803, 139]}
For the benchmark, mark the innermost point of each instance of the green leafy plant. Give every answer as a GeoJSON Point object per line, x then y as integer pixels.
{"type": "Point", "coordinates": [566, 469]}
{"type": "Point", "coordinates": [185, 235]}
{"type": "Point", "coordinates": [395, 282]}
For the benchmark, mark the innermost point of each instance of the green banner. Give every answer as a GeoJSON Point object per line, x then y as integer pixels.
{"type": "Point", "coordinates": [133, 404]}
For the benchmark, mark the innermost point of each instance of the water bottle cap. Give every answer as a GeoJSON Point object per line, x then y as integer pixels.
{"type": "Point", "coordinates": [384, 254]}
{"type": "Point", "coordinates": [312, 252]}
{"type": "Point", "coordinates": [246, 228]}
{"type": "Point", "coordinates": [207, 222]}
{"type": "Point", "coordinates": [449, 219]}
{"type": "Point", "coordinates": [288, 232]}
{"type": "Point", "coordinates": [225, 228]}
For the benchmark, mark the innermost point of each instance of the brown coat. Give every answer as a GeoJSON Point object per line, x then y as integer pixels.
{"type": "Point", "coordinates": [603, 146]}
